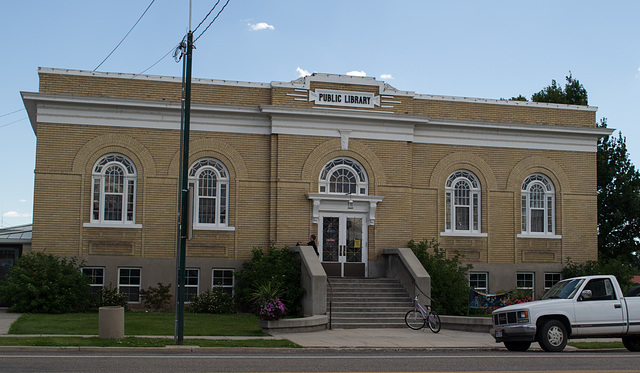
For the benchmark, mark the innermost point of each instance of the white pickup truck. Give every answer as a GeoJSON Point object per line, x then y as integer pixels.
{"type": "Point", "coordinates": [580, 307]}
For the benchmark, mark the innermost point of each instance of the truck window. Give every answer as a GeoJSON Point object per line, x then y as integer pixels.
{"type": "Point", "coordinates": [564, 289]}
{"type": "Point", "coordinates": [601, 289]}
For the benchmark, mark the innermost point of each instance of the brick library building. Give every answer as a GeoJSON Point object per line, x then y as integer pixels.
{"type": "Point", "coordinates": [363, 166]}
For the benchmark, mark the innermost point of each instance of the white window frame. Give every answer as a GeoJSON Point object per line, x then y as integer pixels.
{"type": "Point", "coordinates": [547, 280]}
{"type": "Point", "coordinates": [538, 186]}
{"type": "Point", "coordinates": [532, 288]}
{"type": "Point", "coordinates": [223, 285]}
{"type": "Point", "coordinates": [453, 203]}
{"type": "Point", "coordinates": [216, 169]}
{"type": "Point", "coordinates": [187, 285]}
{"type": "Point", "coordinates": [484, 289]}
{"type": "Point", "coordinates": [94, 285]}
{"type": "Point", "coordinates": [99, 193]}
{"type": "Point", "coordinates": [129, 285]}
{"type": "Point", "coordinates": [339, 168]}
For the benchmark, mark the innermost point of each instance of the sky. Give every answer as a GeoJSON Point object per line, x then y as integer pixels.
{"type": "Point", "coordinates": [483, 49]}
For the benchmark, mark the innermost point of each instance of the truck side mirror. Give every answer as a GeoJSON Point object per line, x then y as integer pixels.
{"type": "Point", "coordinates": [586, 294]}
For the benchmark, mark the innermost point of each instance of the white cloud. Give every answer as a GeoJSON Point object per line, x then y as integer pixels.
{"type": "Point", "coordinates": [357, 73]}
{"type": "Point", "coordinates": [301, 72]}
{"type": "Point", "coordinates": [15, 214]}
{"type": "Point", "coordinates": [23, 200]}
{"type": "Point", "coordinates": [260, 26]}
{"type": "Point", "coordinates": [386, 76]}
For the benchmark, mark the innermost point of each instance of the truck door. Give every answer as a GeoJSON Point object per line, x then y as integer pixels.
{"type": "Point", "coordinates": [602, 314]}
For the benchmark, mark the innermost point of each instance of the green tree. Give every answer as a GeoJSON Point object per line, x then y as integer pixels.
{"type": "Point", "coordinates": [519, 98]}
{"type": "Point", "coordinates": [618, 200]}
{"type": "Point", "coordinates": [44, 283]}
{"type": "Point", "coordinates": [622, 271]}
{"type": "Point", "coordinates": [573, 93]}
{"type": "Point", "coordinates": [449, 283]}
{"type": "Point", "coordinates": [618, 182]}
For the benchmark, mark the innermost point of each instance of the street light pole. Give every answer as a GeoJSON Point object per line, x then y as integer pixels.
{"type": "Point", "coordinates": [184, 189]}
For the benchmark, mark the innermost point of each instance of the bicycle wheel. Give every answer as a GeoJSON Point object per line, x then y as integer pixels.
{"type": "Point", "coordinates": [414, 320]}
{"type": "Point", "coordinates": [434, 321]}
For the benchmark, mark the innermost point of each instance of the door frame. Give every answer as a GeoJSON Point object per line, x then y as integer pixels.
{"type": "Point", "coordinates": [330, 266]}
{"type": "Point", "coordinates": [326, 204]}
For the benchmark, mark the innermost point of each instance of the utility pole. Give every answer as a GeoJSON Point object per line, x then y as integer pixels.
{"type": "Point", "coordinates": [184, 188]}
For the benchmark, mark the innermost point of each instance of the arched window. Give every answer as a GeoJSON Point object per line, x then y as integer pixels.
{"type": "Point", "coordinates": [462, 203]}
{"type": "Point", "coordinates": [538, 205]}
{"type": "Point", "coordinates": [210, 181]}
{"type": "Point", "coordinates": [114, 190]}
{"type": "Point", "coordinates": [343, 176]}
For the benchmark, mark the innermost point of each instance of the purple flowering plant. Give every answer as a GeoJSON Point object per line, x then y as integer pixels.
{"type": "Point", "coordinates": [266, 301]}
{"type": "Point", "coordinates": [272, 309]}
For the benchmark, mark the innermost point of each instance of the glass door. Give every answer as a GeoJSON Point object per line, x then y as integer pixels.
{"type": "Point", "coordinates": [343, 245]}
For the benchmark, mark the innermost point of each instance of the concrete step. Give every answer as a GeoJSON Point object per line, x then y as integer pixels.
{"type": "Point", "coordinates": [367, 303]}
{"type": "Point", "coordinates": [369, 298]}
{"type": "Point", "coordinates": [367, 325]}
{"type": "Point", "coordinates": [368, 310]}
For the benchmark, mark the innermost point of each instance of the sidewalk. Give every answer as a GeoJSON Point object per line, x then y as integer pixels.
{"type": "Point", "coordinates": [6, 319]}
{"type": "Point", "coordinates": [393, 338]}
{"type": "Point", "coordinates": [357, 338]}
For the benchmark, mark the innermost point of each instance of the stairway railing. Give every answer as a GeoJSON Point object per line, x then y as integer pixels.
{"type": "Point", "coordinates": [330, 302]}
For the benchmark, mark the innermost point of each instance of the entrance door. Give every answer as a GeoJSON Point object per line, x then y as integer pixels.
{"type": "Point", "coordinates": [343, 244]}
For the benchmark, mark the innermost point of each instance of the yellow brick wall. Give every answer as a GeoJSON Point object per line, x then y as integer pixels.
{"type": "Point", "coordinates": [270, 175]}
{"type": "Point", "coordinates": [170, 90]}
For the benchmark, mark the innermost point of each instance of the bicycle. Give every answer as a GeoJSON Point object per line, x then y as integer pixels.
{"type": "Point", "coordinates": [418, 317]}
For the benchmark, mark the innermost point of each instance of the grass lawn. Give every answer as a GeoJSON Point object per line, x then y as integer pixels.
{"type": "Point", "coordinates": [596, 345]}
{"type": "Point", "coordinates": [141, 342]}
{"type": "Point", "coordinates": [140, 323]}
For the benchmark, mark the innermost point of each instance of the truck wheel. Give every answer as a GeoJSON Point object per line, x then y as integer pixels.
{"type": "Point", "coordinates": [631, 343]}
{"type": "Point", "coordinates": [633, 292]}
{"type": "Point", "coordinates": [517, 346]}
{"type": "Point", "coordinates": [552, 337]}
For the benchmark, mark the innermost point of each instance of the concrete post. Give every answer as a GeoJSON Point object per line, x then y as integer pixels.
{"type": "Point", "coordinates": [111, 322]}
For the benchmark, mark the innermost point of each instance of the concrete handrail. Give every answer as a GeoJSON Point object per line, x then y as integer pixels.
{"type": "Point", "coordinates": [313, 280]}
{"type": "Point", "coordinates": [403, 265]}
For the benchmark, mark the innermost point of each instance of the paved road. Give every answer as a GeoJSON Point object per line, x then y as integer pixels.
{"type": "Point", "coordinates": [310, 360]}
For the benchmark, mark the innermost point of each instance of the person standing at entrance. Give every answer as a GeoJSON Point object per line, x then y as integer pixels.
{"type": "Point", "coordinates": [312, 243]}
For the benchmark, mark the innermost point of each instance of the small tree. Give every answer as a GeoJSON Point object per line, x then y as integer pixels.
{"type": "Point", "coordinates": [44, 283]}
{"type": "Point", "coordinates": [449, 283]}
{"type": "Point", "coordinates": [156, 299]}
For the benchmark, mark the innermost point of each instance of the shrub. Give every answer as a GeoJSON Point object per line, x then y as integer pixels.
{"type": "Point", "coordinates": [449, 283]}
{"type": "Point", "coordinates": [518, 296]}
{"type": "Point", "coordinates": [212, 301]}
{"type": "Point", "coordinates": [281, 268]}
{"type": "Point", "coordinates": [44, 283]}
{"type": "Point", "coordinates": [623, 271]}
{"type": "Point", "coordinates": [109, 296]}
{"type": "Point", "coordinates": [157, 299]}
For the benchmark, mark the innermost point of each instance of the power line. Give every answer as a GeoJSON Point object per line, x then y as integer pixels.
{"type": "Point", "coordinates": [211, 23]}
{"type": "Point", "coordinates": [15, 121]}
{"type": "Point", "coordinates": [157, 62]}
{"type": "Point", "coordinates": [114, 49]}
{"type": "Point", "coordinates": [177, 51]}
{"type": "Point", "coordinates": [207, 16]}
{"type": "Point", "coordinates": [13, 112]}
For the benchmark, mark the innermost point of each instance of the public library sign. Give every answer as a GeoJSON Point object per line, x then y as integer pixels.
{"type": "Point", "coordinates": [344, 98]}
